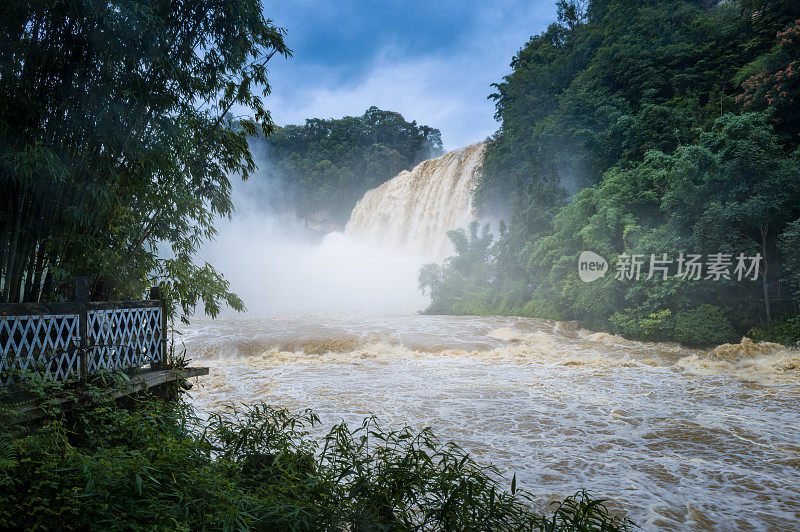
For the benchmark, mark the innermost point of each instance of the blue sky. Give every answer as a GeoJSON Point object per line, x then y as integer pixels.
{"type": "Point", "coordinates": [431, 61]}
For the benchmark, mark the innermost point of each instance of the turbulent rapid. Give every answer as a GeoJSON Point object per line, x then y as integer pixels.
{"type": "Point", "coordinates": [677, 438]}
{"type": "Point", "coordinates": [414, 210]}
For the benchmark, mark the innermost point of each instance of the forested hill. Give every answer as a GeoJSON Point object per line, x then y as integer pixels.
{"type": "Point", "coordinates": [325, 166]}
{"type": "Point", "coordinates": [642, 127]}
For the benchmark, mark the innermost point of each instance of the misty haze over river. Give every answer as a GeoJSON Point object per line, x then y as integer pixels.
{"type": "Point", "coordinates": [677, 438]}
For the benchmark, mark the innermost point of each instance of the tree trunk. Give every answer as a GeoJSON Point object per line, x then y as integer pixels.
{"type": "Point", "coordinates": [11, 259]}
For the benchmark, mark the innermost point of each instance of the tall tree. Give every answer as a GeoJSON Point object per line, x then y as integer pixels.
{"type": "Point", "coordinates": [116, 140]}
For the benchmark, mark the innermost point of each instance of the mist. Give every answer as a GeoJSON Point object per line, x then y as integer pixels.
{"type": "Point", "coordinates": [278, 266]}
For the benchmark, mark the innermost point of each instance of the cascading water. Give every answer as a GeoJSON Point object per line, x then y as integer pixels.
{"type": "Point", "coordinates": [393, 230]}
{"type": "Point", "coordinates": [414, 210]}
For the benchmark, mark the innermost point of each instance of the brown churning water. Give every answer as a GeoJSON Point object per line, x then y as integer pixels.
{"type": "Point", "coordinates": [679, 439]}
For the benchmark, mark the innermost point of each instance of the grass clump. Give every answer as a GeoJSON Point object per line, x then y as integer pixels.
{"type": "Point", "coordinates": [157, 465]}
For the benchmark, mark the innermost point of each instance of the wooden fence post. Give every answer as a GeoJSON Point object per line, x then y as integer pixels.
{"type": "Point", "coordinates": [157, 294]}
{"type": "Point", "coordinates": [81, 300]}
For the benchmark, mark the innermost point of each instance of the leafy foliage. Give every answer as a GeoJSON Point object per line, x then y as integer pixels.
{"type": "Point", "coordinates": [773, 82]}
{"type": "Point", "coordinates": [158, 465]}
{"type": "Point", "coordinates": [327, 165]}
{"type": "Point", "coordinates": [638, 128]}
{"type": "Point", "coordinates": [702, 325]}
{"type": "Point", "coordinates": [783, 331]}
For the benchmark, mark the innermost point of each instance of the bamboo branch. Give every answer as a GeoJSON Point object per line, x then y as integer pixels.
{"type": "Point", "coordinates": [153, 218]}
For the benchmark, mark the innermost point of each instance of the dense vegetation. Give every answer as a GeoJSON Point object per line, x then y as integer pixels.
{"type": "Point", "coordinates": [325, 166]}
{"type": "Point", "coordinates": [116, 140]}
{"type": "Point", "coordinates": [157, 466]}
{"type": "Point", "coordinates": [642, 127]}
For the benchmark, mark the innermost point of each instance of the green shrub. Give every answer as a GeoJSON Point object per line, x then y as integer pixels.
{"type": "Point", "coordinates": [652, 327]}
{"type": "Point", "coordinates": [704, 325]}
{"type": "Point", "coordinates": [784, 331]}
{"type": "Point", "coordinates": [541, 308]}
{"type": "Point", "coordinates": [700, 326]}
{"type": "Point", "coordinates": [158, 466]}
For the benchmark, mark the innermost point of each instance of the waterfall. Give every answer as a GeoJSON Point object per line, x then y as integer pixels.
{"type": "Point", "coordinates": [414, 210]}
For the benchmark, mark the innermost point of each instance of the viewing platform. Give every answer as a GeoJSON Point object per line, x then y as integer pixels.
{"type": "Point", "coordinates": [79, 341]}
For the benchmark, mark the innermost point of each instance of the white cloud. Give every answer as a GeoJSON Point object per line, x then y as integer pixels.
{"type": "Point", "coordinates": [429, 90]}
{"type": "Point", "coordinates": [445, 90]}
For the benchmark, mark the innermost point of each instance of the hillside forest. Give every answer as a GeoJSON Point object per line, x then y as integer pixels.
{"type": "Point", "coordinates": [639, 129]}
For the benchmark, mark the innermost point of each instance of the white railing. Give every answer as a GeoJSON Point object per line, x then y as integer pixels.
{"type": "Point", "coordinates": [69, 341]}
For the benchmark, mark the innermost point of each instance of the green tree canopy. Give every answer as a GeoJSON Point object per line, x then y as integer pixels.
{"type": "Point", "coordinates": [328, 165]}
